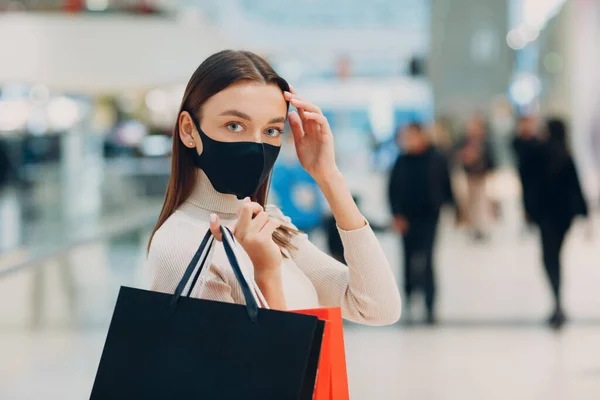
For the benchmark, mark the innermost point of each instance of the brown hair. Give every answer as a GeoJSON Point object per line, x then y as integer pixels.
{"type": "Point", "coordinates": [216, 73]}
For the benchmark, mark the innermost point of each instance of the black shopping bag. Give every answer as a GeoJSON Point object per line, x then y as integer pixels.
{"type": "Point", "coordinates": [162, 346]}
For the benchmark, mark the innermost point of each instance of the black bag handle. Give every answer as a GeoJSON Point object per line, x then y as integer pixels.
{"type": "Point", "coordinates": [251, 304]}
{"type": "Point", "coordinates": [190, 268]}
{"type": "Point", "coordinates": [203, 251]}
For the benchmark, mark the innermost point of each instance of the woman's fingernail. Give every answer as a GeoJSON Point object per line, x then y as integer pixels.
{"type": "Point", "coordinates": [247, 200]}
{"type": "Point", "coordinates": [213, 218]}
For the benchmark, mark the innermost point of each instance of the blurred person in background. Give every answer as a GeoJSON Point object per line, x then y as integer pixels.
{"type": "Point", "coordinates": [419, 186]}
{"type": "Point", "coordinates": [526, 145]}
{"type": "Point", "coordinates": [477, 159]}
{"type": "Point", "coordinates": [558, 201]}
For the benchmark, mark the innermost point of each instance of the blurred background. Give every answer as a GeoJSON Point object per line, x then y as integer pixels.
{"type": "Point", "coordinates": [89, 91]}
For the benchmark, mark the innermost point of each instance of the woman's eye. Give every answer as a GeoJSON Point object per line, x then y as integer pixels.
{"type": "Point", "coordinates": [235, 127]}
{"type": "Point", "coordinates": [273, 132]}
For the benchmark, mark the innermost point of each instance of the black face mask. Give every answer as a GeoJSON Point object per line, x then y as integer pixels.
{"type": "Point", "coordinates": [238, 168]}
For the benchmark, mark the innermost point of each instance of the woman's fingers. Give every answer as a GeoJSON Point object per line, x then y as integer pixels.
{"type": "Point", "coordinates": [246, 214]}
{"type": "Point", "coordinates": [320, 124]}
{"type": "Point", "coordinates": [310, 123]}
{"type": "Point", "coordinates": [296, 126]}
{"type": "Point", "coordinates": [270, 227]}
{"type": "Point", "coordinates": [246, 200]}
{"type": "Point", "coordinates": [215, 227]}
{"type": "Point", "coordinates": [252, 219]}
{"type": "Point", "coordinates": [292, 95]}
{"type": "Point", "coordinates": [305, 105]}
{"type": "Point", "coordinates": [319, 118]}
{"type": "Point", "coordinates": [301, 105]}
{"type": "Point", "coordinates": [258, 222]}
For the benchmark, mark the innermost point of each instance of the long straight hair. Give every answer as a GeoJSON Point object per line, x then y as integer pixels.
{"type": "Point", "coordinates": [216, 73]}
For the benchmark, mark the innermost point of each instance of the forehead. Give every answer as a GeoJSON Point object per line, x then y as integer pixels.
{"type": "Point", "coordinates": [258, 100]}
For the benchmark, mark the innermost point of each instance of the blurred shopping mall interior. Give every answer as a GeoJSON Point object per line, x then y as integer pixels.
{"type": "Point", "coordinates": [89, 95]}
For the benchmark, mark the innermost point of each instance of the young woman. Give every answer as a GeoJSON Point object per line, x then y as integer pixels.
{"type": "Point", "coordinates": [227, 138]}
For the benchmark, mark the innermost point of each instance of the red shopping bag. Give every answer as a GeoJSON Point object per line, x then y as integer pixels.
{"type": "Point", "coordinates": [332, 376]}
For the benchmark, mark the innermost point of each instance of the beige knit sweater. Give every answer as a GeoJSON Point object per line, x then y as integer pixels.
{"type": "Point", "coordinates": [365, 289]}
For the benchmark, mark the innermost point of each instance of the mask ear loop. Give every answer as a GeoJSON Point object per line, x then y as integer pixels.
{"type": "Point", "coordinates": [265, 176]}
{"type": "Point", "coordinates": [264, 168]}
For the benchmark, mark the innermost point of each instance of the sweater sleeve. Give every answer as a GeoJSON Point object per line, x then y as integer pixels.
{"type": "Point", "coordinates": [170, 255]}
{"type": "Point", "coordinates": [365, 290]}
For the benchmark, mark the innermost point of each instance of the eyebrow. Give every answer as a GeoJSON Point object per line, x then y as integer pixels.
{"type": "Point", "coordinates": [277, 120]}
{"type": "Point", "coordinates": [239, 114]}
{"type": "Point", "coordinates": [236, 113]}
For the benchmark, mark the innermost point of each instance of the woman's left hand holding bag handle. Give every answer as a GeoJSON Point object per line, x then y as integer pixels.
{"type": "Point", "coordinates": [254, 231]}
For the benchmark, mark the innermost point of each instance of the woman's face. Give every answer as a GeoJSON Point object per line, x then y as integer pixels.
{"type": "Point", "coordinates": [244, 112]}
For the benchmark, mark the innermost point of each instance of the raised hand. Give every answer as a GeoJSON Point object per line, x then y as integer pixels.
{"type": "Point", "coordinates": [254, 231]}
{"type": "Point", "coordinates": [312, 137]}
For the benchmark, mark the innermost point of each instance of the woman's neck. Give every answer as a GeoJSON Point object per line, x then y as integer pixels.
{"type": "Point", "coordinates": [206, 197]}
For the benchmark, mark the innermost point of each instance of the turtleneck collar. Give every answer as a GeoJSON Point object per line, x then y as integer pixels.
{"type": "Point", "coordinates": [207, 198]}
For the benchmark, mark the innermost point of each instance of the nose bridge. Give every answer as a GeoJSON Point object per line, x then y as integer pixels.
{"type": "Point", "coordinates": [256, 135]}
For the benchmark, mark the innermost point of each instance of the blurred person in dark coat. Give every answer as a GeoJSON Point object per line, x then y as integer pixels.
{"type": "Point", "coordinates": [419, 186]}
{"type": "Point", "coordinates": [559, 200]}
{"type": "Point", "coordinates": [527, 147]}
{"type": "Point", "coordinates": [477, 159]}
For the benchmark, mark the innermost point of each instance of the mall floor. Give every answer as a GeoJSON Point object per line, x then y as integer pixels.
{"type": "Point", "coordinates": [491, 342]}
